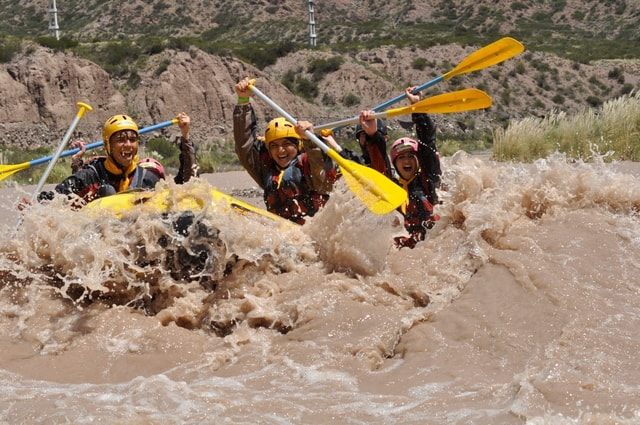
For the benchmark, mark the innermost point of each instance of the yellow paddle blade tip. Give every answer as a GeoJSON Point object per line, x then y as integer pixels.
{"type": "Point", "coordinates": [379, 194]}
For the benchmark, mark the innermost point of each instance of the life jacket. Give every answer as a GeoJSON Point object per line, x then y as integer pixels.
{"type": "Point", "coordinates": [106, 182]}
{"type": "Point", "coordinates": [289, 194]}
{"type": "Point", "coordinates": [418, 211]}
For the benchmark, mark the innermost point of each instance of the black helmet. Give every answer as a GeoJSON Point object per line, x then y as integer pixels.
{"type": "Point", "coordinates": [382, 128]}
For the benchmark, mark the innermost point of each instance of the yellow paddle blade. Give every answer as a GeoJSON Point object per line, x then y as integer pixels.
{"type": "Point", "coordinates": [492, 54]}
{"type": "Point", "coordinates": [457, 101]}
{"type": "Point", "coordinates": [7, 170]}
{"type": "Point", "coordinates": [379, 194]}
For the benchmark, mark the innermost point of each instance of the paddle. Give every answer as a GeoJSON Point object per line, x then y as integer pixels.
{"type": "Point", "coordinates": [489, 55]}
{"type": "Point", "coordinates": [83, 108]}
{"type": "Point", "coordinates": [457, 101]}
{"type": "Point", "coordinates": [492, 54]}
{"type": "Point", "coordinates": [375, 190]}
{"type": "Point", "coordinates": [7, 170]}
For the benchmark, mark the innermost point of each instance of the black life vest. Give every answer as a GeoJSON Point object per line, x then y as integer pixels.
{"type": "Point", "coordinates": [106, 183]}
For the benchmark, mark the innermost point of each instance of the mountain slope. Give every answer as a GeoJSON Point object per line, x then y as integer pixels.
{"type": "Point", "coordinates": [566, 25]}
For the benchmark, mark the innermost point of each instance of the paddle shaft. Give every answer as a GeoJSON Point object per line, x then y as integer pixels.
{"type": "Point", "coordinates": [289, 118]}
{"type": "Point", "coordinates": [404, 95]}
{"type": "Point", "coordinates": [354, 120]}
{"type": "Point", "coordinates": [83, 107]}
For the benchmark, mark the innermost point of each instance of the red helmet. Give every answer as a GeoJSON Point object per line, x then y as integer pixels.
{"type": "Point", "coordinates": [153, 165]}
{"type": "Point", "coordinates": [403, 145]}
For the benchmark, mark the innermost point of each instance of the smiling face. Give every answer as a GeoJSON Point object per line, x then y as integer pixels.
{"type": "Point", "coordinates": [124, 147]}
{"type": "Point", "coordinates": [283, 151]}
{"type": "Point", "coordinates": [407, 165]}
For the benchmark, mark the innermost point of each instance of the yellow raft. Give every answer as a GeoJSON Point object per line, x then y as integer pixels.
{"type": "Point", "coordinates": [181, 198]}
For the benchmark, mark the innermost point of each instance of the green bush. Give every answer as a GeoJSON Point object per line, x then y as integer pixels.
{"type": "Point", "coordinates": [134, 80]}
{"type": "Point", "coordinates": [594, 101]}
{"type": "Point", "coordinates": [419, 63]}
{"type": "Point", "coordinates": [162, 67]}
{"type": "Point", "coordinates": [307, 89]}
{"type": "Point", "coordinates": [350, 99]}
{"type": "Point", "coordinates": [164, 150]}
{"type": "Point", "coordinates": [321, 67]}
{"type": "Point", "coordinates": [616, 74]}
{"type": "Point", "coordinates": [262, 56]}
{"type": "Point", "coordinates": [8, 49]}
{"type": "Point", "coordinates": [289, 79]}
{"type": "Point", "coordinates": [58, 45]}
{"type": "Point", "coordinates": [221, 158]}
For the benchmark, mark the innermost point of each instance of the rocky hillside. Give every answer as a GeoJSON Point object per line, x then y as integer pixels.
{"type": "Point", "coordinates": [40, 87]}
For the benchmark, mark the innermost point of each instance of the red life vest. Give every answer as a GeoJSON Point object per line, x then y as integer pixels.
{"type": "Point", "coordinates": [289, 194]}
{"type": "Point", "coordinates": [418, 211]}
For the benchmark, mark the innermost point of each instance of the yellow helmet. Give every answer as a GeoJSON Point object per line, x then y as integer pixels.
{"type": "Point", "coordinates": [280, 128]}
{"type": "Point", "coordinates": [114, 124]}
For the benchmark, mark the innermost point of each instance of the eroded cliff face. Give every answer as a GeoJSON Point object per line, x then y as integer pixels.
{"type": "Point", "coordinates": [202, 85]}
{"type": "Point", "coordinates": [39, 93]}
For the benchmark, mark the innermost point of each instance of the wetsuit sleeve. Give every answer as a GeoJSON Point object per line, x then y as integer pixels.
{"type": "Point", "coordinates": [247, 145]}
{"type": "Point", "coordinates": [188, 162]}
{"type": "Point", "coordinates": [352, 156]}
{"type": "Point", "coordinates": [322, 169]}
{"type": "Point", "coordinates": [375, 150]}
{"type": "Point", "coordinates": [150, 179]}
{"type": "Point", "coordinates": [72, 185]}
{"type": "Point", "coordinates": [427, 150]}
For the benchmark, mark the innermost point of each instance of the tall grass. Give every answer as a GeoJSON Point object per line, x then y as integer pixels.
{"type": "Point", "coordinates": [612, 131]}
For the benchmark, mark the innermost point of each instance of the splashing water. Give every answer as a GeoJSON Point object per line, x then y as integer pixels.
{"type": "Point", "coordinates": [521, 306]}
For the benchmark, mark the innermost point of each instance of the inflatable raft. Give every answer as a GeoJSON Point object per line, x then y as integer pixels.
{"type": "Point", "coordinates": [166, 200]}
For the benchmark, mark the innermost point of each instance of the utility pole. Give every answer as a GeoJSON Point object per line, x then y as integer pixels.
{"type": "Point", "coordinates": [53, 20]}
{"type": "Point", "coordinates": [312, 25]}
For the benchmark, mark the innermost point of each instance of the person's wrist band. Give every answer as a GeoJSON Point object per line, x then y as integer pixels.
{"type": "Point", "coordinates": [243, 99]}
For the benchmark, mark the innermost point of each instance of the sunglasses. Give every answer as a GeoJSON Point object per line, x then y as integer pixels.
{"type": "Point", "coordinates": [124, 135]}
